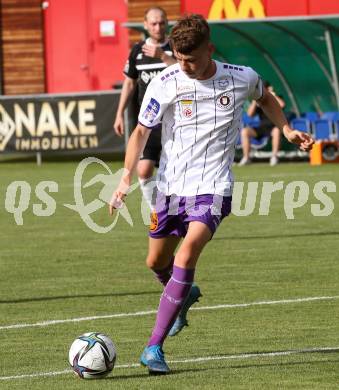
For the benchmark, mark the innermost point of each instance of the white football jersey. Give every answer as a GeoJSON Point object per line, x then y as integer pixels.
{"type": "Point", "coordinates": [201, 121]}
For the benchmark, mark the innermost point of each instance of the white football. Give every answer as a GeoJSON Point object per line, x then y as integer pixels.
{"type": "Point", "coordinates": [92, 355]}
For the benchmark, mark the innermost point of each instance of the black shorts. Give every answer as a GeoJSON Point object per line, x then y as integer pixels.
{"type": "Point", "coordinates": [263, 130]}
{"type": "Point", "coordinates": [153, 147]}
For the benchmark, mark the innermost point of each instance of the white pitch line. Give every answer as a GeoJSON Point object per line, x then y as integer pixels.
{"type": "Point", "coordinates": [148, 312]}
{"type": "Point", "coordinates": [280, 302]}
{"type": "Point", "coordinates": [189, 360]}
{"type": "Point", "coordinates": [91, 318]}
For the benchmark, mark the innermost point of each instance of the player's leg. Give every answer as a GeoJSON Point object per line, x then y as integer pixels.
{"type": "Point", "coordinates": [211, 211]}
{"type": "Point", "coordinates": [175, 294]}
{"type": "Point", "coordinates": [276, 137]}
{"type": "Point", "coordinates": [160, 257]}
{"type": "Point", "coordinates": [246, 134]}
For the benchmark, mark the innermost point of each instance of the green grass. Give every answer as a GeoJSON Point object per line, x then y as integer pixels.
{"type": "Point", "coordinates": [55, 268]}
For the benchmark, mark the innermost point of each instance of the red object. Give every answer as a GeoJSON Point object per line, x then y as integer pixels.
{"type": "Point", "coordinates": [286, 8]}
{"type": "Point", "coordinates": [77, 57]}
{"type": "Point", "coordinates": [272, 7]}
{"type": "Point", "coordinates": [323, 7]}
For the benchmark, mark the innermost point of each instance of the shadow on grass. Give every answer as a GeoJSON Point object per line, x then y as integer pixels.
{"type": "Point", "coordinates": [146, 375]}
{"type": "Point", "coordinates": [280, 236]}
{"type": "Point", "coordinates": [200, 368]}
{"type": "Point", "coordinates": [62, 297]}
{"type": "Point", "coordinates": [183, 371]}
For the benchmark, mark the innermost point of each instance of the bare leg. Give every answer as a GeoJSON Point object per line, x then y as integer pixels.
{"type": "Point", "coordinates": [276, 136]}
{"type": "Point", "coordinates": [246, 134]}
{"type": "Point", "coordinates": [161, 251]}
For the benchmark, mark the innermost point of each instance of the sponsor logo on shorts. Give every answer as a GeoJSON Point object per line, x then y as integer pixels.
{"type": "Point", "coordinates": [151, 110]}
{"type": "Point", "coordinates": [154, 222]}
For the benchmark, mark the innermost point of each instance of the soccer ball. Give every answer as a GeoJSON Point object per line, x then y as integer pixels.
{"type": "Point", "coordinates": [92, 355]}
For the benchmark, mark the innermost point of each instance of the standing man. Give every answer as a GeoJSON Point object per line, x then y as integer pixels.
{"type": "Point", "coordinates": [146, 60]}
{"type": "Point", "coordinates": [200, 103]}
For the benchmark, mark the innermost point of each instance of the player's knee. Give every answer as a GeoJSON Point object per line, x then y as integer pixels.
{"type": "Point", "coordinates": [245, 132]}
{"type": "Point", "coordinates": [152, 262]}
{"type": "Point", "coordinates": [145, 169]}
{"type": "Point", "coordinates": [144, 175]}
{"type": "Point", "coordinates": [185, 259]}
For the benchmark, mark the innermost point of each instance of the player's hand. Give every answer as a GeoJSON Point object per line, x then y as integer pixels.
{"type": "Point", "coordinates": [116, 202]}
{"type": "Point", "coordinates": [118, 196]}
{"type": "Point", "coordinates": [303, 140]}
{"type": "Point", "coordinates": [152, 51]}
{"type": "Point", "coordinates": [119, 126]}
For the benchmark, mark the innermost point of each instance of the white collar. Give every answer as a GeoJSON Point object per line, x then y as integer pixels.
{"type": "Point", "coordinates": [149, 42]}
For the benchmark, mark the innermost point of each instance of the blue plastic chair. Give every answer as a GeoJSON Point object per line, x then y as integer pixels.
{"type": "Point", "coordinates": [331, 116]}
{"type": "Point", "coordinates": [336, 129]}
{"type": "Point", "coordinates": [311, 116]}
{"type": "Point", "coordinates": [301, 124]}
{"type": "Point", "coordinates": [323, 129]}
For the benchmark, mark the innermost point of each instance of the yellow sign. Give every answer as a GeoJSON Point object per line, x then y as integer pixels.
{"type": "Point", "coordinates": [221, 9]}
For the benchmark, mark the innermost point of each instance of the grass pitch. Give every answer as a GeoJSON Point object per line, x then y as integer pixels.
{"type": "Point", "coordinates": [54, 268]}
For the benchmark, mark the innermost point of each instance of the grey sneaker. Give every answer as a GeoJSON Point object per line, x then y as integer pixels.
{"type": "Point", "coordinates": [244, 161]}
{"type": "Point", "coordinates": [274, 161]}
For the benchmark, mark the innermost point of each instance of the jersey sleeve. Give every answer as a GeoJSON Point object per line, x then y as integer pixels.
{"type": "Point", "coordinates": [130, 68]}
{"type": "Point", "coordinates": [153, 105]}
{"type": "Point", "coordinates": [255, 85]}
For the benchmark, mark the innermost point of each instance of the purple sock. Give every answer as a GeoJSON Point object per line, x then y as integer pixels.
{"type": "Point", "coordinates": [164, 275]}
{"type": "Point", "coordinates": [171, 302]}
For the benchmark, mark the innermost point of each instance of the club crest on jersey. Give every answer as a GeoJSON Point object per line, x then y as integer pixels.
{"type": "Point", "coordinates": [151, 110]}
{"type": "Point", "coordinates": [224, 101]}
{"type": "Point", "coordinates": [187, 108]}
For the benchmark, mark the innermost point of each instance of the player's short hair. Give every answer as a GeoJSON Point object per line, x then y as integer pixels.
{"type": "Point", "coordinates": [155, 8]}
{"type": "Point", "coordinates": [189, 33]}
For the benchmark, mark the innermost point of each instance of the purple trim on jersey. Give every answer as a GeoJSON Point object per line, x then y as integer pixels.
{"type": "Point", "coordinates": [164, 77]}
{"type": "Point", "coordinates": [174, 213]}
{"type": "Point", "coordinates": [156, 127]}
{"type": "Point", "coordinates": [226, 66]}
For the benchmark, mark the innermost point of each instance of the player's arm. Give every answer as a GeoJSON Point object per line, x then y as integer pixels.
{"type": "Point", "coordinates": [128, 88]}
{"type": "Point", "coordinates": [273, 111]}
{"type": "Point", "coordinates": [252, 108]}
{"type": "Point", "coordinates": [157, 52]}
{"type": "Point", "coordinates": [135, 147]}
{"type": "Point", "coordinates": [280, 100]}
{"type": "Point", "coordinates": [167, 59]}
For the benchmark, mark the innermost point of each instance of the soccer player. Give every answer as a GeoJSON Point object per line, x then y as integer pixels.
{"type": "Point", "coordinates": [146, 60]}
{"type": "Point", "coordinates": [199, 101]}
